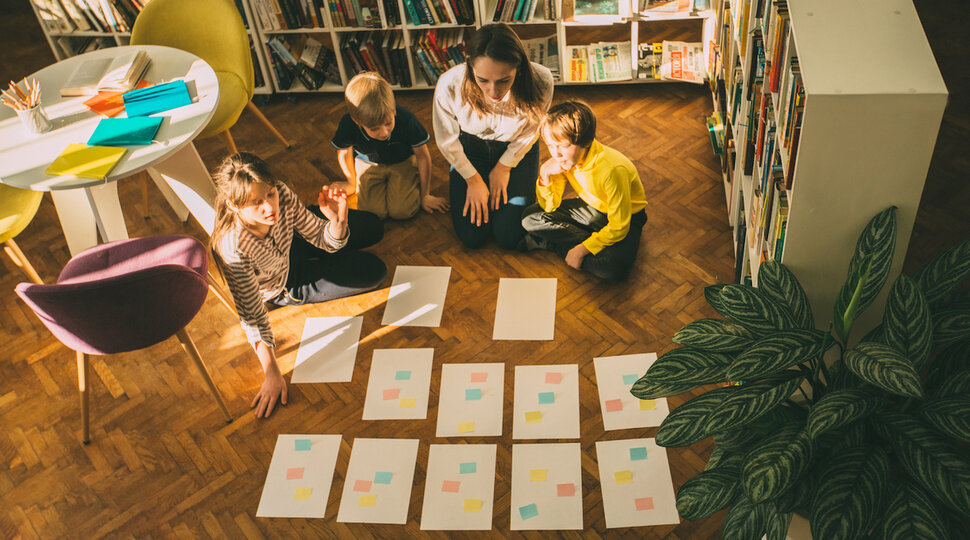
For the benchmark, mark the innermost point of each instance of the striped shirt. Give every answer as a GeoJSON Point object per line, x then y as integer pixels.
{"type": "Point", "coordinates": [256, 268]}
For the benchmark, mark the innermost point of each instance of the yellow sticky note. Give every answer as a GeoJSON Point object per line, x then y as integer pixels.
{"type": "Point", "coordinates": [533, 417]}
{"type": "Point", "coordinates": [86, 161]}
{"type": "Point", "coordinates": [537, 475]}
{"type": "Point", "coordinates": [466, 427]}
{"type": "Point", "coordinates": [407, 403]}
{"type": "Point", "coordinates": [302, 494]}
{"type": "Point", "coordinates": [368, 500]}
{"type": "Point", "coordinates": [623, 477]}
{"type": "Point", "coordinates": [647, 404]}
{"type": "Point", "coordinates": [473, 505]}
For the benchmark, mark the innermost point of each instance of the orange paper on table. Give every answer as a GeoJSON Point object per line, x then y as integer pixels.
{"type": "Point", "coordinates": [110, 104]}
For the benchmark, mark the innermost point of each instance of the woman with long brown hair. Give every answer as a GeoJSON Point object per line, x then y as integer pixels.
{"type": "Point", "coordinates": [486, 120]}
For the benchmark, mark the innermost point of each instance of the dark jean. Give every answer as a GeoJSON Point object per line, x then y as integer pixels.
{"type": "Point", "coordinates": [506, 222]}
{"type": "Point", "coordinates": [572, 223]}
{"type": "Point", "coordinates": [318, 276]}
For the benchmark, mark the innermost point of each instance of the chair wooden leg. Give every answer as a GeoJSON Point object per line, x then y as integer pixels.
{"type": "Point", "coordinates": [190, 349]}
{"type": "Point", "coordinates": [17, 256]}
{"type": "Point", "coordinates": [252, 108]}
{"type": "Point", "coordinates": [230, 144]}
{"type": "Point", "coordinates": [220, 294]}
{"type": "Point", "coordinates": [82, 387]}
{"type": "Point", "coordinates": [144, 192]}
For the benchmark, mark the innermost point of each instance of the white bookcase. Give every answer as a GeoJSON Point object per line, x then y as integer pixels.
{"type": "Point", "coordinates": [874, 100]}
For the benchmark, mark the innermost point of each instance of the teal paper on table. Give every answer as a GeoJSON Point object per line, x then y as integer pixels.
{"type": "Point", "coordinates": [125, 131]}
{"type": "Point", "coordinates": [155, 99]}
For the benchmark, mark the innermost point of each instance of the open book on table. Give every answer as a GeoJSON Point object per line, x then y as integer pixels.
{"type": "Point", "coordinates": [120, 74]}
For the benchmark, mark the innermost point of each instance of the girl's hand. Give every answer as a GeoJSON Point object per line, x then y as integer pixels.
{"type": "Point", "coordinates": [498, 182]}
{"type": "Point", "coordinates": [431, 204]}
{"type": "Point", "coordinates": [274, 386]}
{"type": "Point", "coordinates": [476, 200]}
{"type": "Point", "coordinates": [333, 205]}
{"type": "Point", "coordinates": [549, 167]}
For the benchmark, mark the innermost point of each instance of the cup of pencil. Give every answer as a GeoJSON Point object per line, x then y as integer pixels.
{"type": "Point", "coordinates": [26, 101]}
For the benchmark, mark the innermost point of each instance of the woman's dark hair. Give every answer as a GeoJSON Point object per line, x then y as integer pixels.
{"type": "Point", "coordinates": [498, 42]}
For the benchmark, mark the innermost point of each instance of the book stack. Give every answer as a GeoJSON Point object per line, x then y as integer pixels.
{"type": "Point", "coordinates": [544, 51]}
{"type": "Point", "coordinates": [380, 52]}
{"type": "Point", "coordinates": [301, 58]}
{"type": "Point", "coordinates": [435, 12]}
{"type": "Point", "coordinates": [604, 61]}
{"type": "Point", "coordinates": [437, 51]}
{"type": "Point", "coordinates": [118, 74]}
{"type": "Point", "coordinates": [516, 10]}
{"type": "Point", "coordinates": [89, 15]}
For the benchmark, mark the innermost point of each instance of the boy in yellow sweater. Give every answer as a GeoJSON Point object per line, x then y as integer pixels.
{"type": "Point", "coordinates": [598, 231]}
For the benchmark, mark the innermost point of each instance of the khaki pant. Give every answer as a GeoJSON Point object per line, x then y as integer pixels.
{"type": "Point", "coordinates": [390, 191]}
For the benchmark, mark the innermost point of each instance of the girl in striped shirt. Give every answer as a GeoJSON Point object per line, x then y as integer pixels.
{"type": "Point", "coordinates": [264, 261]}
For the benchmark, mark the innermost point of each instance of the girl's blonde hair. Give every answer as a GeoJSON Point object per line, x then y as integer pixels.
{"type": "Point", "coordinates": [235, 178]}
{"type": "Point", "coordinates": [498, 42]}
{"type": "Point", "coordinates": [369, 99]}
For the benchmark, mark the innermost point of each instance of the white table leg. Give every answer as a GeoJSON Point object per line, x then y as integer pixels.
{"type": "Point", "coordinates": [186, 175]}
{"type": "Point", "coordinates": [84, 213]}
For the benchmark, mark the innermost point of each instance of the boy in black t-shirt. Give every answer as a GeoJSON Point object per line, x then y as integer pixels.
{"type": "Point", "coordinates": [383, 151]}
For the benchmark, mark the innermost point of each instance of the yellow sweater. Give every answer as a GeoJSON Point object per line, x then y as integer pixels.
{"type": "Point", "coordinates": [605, 180]}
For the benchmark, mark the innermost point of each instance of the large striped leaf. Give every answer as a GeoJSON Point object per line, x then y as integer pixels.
{"type": "Point", "coordinates": [884, 367]}
{"type": "Point", "coordinates": [773, 466]}
{"type": "Point", "coordinates": [907, 323]}
{"type": "Point", "coordinates": [846, 309]}
{"type": "Point", "coordinates": [932, 462]}
{"type": "Point", "coordinates": [647, 389]}
{"type": "Point", "coordinates": [746, 520]}
{"type": "Point", "coordinates": [950, 415]}
{"type": "Point", "coordinates": [708, 492]}
{"type": "Point", "coordinates": [951, 325]}
{"type": "Point", "coordinates": [722, 457]}
{"type": "Point", "coordinates": [754, 310]}
{"type": "Point", "coordinates": [781, 285]}
{"type": "Point", "coordinates": [714, 335]}
{"type": "Point", "coordinates": [724, 409]}
{"type": "Point", "coordinates": [949, 362]}
{"type": "Point", "coordinates": [839, 408]}
{"type": "Point", "coordinates": [778, 524]}
{"type": "Point", "coordinates": [850, 493]}
{"type": "Point", "coordinates": [780, 350]}
{"type": "Point", "coordinates": [944, 272]}
{"type": "Point", "coordinates": [736, 440]}
{"type": "Point", "coordinates": [876, 243]}
{"type": "Point", "coordinates": [958, 384]}
{"type": "Point", "coordinates": [911, 513]}
{"type": "Point", "coordinates": [712, 293]}
{"type": "Point", "coordinates": [799, 495]}
{"type": "Point", "coordinates": [690, 365]}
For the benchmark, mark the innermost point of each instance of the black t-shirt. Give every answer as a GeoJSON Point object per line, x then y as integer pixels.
{"type": "Point", "coordinates": [407, 134]}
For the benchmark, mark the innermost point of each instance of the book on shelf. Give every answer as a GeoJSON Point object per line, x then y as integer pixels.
{"type": "Point", "coordinates": [544, 51]}
{"type": "Point", "coordinates": [664, 8]}
{"type": "Point", "coordinates": [649, 60]}
{"type": "Point", "coordinates": [515, 10]}
{"type": "Point", "coordinates": [681, 61]}
{"type": "Point", "coordinates": [577, 63]}
{"type": "Point", "coordinates": [319, 61]}
{"type": "Point", "coordinates": [120, 74]}
{"type": "Point", "coordinates": [610, 61]}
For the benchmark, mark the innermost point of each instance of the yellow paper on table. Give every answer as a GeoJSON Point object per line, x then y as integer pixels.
{"type": "Point", "coordinates": [86, 161]}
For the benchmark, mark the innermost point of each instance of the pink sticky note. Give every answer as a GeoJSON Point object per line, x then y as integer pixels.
{"type": "Point", "coordinates": [392, 393]}
{"type": "Point", "coordinates": [565, 490]}
{"type": "Point", "coordinates": [294, 473]}
{"type": "Point", "coordinates": [645, 503]}
{"type": "Point", "coordinates": [479, 377]}
{"type": "Point", "coordinates": [553, 377]}
{"type": "Point", "coordinates": [614, 405]}
{"type": "Point", "coordinates": [362, 485]}
{"type": "Point", "coordinates": [450, 486]}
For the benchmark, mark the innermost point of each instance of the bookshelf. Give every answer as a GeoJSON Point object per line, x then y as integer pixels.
{"type": "Point", "coordinates": [73, 27]}
{"type": "Point", "coordinates": [831, 111]}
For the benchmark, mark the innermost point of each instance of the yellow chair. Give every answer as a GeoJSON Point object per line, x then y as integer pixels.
{"type": "Point", "coordinates": [213, 31]}
{"type": "Point", "coordinates": [17, 209]}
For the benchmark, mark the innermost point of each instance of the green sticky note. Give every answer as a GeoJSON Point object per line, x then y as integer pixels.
{"type": "Point", "coordinates": [547, 397]}
{"type": "Point", "coordinates": [639, 453]}
{"type": "Point", "coordinates": [630, 379]}
{"type": "Point", "coordinates": [473, 394]}
{"type": "Point", "coordinates": [382, 477]}
{"type": "Point", "coordinates": [403, 375]}
{"type": "Point", "coordinates": [529, 511]}
{"type": "Point", "coordinates": [467, 468]}
{"type": "Point", "coordinates": [302, 445]}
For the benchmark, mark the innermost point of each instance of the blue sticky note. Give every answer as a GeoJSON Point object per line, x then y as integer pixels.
{"type": "Point", "coordinates": [125, 131]}
{"type": "Point", "coordinates": [403, 375]}
{"type": "Point", "coordinates": [302, 445]}
{"type": "Point", "coordinates": [382, 477]}
{"type": "Point", "coordinates": [529, 511]}
{"type": "Point", "coordinates": [547, 397]}
{"type": "Point", "coordinates": [467, 468]}
{"type": "Point", "coordinates": [473, 394]}
{"type": "Point", "coordinates": [638, 453]}
{"type": "Point", "coordinates": [630, 379]}
{"type": "Point", "coordinates": [156, 99]}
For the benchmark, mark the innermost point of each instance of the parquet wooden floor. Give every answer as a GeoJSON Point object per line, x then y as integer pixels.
{"type": "Point", "coordinates": [162, 463]}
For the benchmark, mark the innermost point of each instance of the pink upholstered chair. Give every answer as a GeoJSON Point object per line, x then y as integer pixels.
{"type": "Point", "coordinates": [124, 296]}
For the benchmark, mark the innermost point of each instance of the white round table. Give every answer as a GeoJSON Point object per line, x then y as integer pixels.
{"type": "Point", "coordinates": [86, 206]}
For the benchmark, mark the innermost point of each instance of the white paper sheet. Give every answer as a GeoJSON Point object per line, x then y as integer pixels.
{"type": "Point", "coordinates": [458, 490]}
{"type": "Point", "coordinates": [615, 376]}
{"type": "Point", "coordinates": [299, 476]}
{"type": "Point", "coordinates": [417, 296]}
{"type": "Point", "coordinates": [526, 309]}
{"type": "Point", "coordinates": [547, 487]}
{"type": "Point", "coordinates": [470, 400]}
{"type": "Point", "coordinates": [398, 385]}
{"type": "Point", "coordinates": [546, 402]}
{"type": "Point", "coordinates": [377, 487]}
{"type": "Point", "coordinates": [328, 350]}
{"type": "Point", "coordinates": [636, 484]}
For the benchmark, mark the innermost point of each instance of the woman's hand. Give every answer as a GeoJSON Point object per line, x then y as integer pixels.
{"type": "Point", "coordinates": [498, 183]}
{"type": "Point", "coordinates": [476, 200]}
{"type": "Point", "coordinates": [274, 386]}
{"type": "Point", "coordinates": [333, 205]}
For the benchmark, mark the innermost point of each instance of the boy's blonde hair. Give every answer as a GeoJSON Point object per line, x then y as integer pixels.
{"type": "Point", "coordinates": [572, 122]}
{"type": "Point", "coordinates": [370, 100]}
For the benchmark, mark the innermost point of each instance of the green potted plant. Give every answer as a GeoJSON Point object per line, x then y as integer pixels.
{"type": "Point", "coordinates": [865, 439]}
